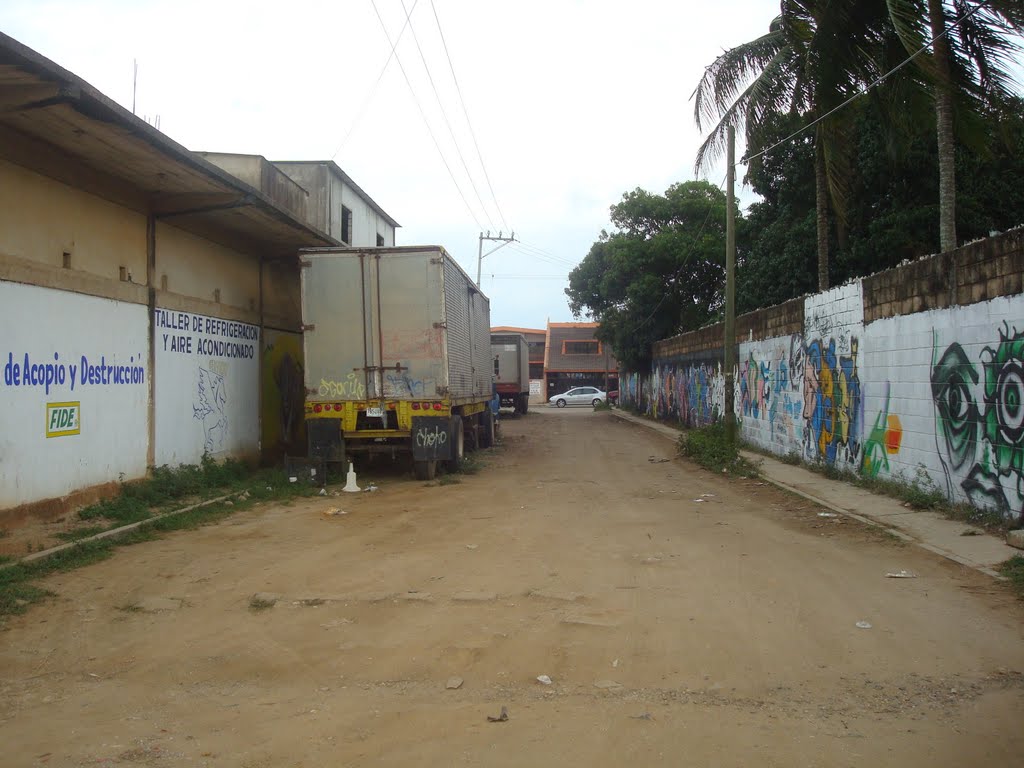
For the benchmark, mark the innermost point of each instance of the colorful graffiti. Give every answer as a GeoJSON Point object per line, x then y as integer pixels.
{"type": "Point", "coordinates": [692, 394]}
{"type": "Point", "coordinates": [832, 403]}
{"type": "Point", "coordinates": [979, 428]}
{"type": "Point", "coordinates": [770, 391]}
{"type": "Point", "coordinates": [882, 442]}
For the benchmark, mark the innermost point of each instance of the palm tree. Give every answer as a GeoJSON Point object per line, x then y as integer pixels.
{"type": "Point", "coordinates": [810, 61]}
{"type": "Point", "coordinates": [967, 67]}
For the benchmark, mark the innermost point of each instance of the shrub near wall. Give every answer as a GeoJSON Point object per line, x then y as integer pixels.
{"type": "Point", "coordinates": [914, 374]}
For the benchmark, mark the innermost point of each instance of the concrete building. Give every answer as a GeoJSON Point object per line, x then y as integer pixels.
{"type": "Point", "coordinates": [575, 358]}
{"type": "Point", "coordinates": [338, 206]}
{"type": "Point", "coordinates": [319, 193]}
{"type": "Point", "coordinates": [149, 299]}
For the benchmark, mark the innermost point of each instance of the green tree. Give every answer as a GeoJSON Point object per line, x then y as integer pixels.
{"type": "Point", "coordinates": [968, 68]}
{"type": "Point", "coordinates": [892, 205]}
{"type": "Point", "coordinates": [659, 272]}
{"type": "Point", "coordinates": [810, 61]}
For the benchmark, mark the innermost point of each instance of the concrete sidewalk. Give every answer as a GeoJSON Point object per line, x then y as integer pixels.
{"type": "Point", "coordinates": [928, 530]}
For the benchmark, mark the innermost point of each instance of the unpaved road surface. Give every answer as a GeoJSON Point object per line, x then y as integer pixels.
{"type": "Point", "coordinates": [676, 632]}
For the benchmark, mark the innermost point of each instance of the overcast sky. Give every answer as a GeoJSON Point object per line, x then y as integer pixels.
{"type": "Point", "coordinates": [572, 103]}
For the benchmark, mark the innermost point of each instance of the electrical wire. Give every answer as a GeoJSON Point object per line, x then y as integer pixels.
{"type": "Point", "coordinates": [549, 258]}
{"type": "Point", "coordinates": [373, 90]}
{"type": "Point", "coordinates": [527, 277]}
{"type": "Point", "coordinates": [465, 111]}
{"type": "Point", "coordinates": [444, 114]}
{"type": "Point", "coordinates": [876, 82]}
{"type": "Point", "coordinates": [423, 114]}
{"type": "Point", "coordinates": [540, 257]}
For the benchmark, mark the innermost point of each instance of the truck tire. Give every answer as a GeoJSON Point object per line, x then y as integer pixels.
{"type": "Point", "coordinates": [486, 429]}
{"type": "Point", "coordinates": [525, 399]}
{"type": "Point", "coordinates": [424, 470]}
{"type": "Point", "coordinates": [458, 443]}
{"type": "Point", "coordinates": [560, 403]}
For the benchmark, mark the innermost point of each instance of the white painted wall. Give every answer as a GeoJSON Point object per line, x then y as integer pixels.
{"type": "Point", "coordinates": [207, 387]}
{"type": "Point", "coordinates": [933, 398]}
{"type": "Point", "coordinates": [946, 379]}
{"type": "Point", "coordinates": [113, 425]}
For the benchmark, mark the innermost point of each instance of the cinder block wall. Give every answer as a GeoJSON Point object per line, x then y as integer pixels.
{"type": "Point", "coordinates": [915, 373]}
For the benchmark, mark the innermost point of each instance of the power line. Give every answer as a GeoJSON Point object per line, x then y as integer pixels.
{"type": "Point", "coordinates": [423, 114]}
{"type": "Point", "coordinates": [542, 252]}
{"type": "Point", "coordinates": [541, 257]}
{"type": "Point", "coordinates": [877, 81]}
{"type": "Point", "coordinates": [527, 277]}
{"type": "Point", "coordinates": [472, 133]}
{"type": "Point", "coordinates": [373, 90]}
{"type": "Point", "coordinates": [444, 114]}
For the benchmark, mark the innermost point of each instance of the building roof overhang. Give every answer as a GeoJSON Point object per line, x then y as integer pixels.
{"type": "Point", "coordinates": [56, 124]}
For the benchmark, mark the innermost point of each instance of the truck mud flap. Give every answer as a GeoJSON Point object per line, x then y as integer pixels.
{"type": "Point", "coordinates": [431, 438]}
{"type": "Point", "coordinates": [325, 440]}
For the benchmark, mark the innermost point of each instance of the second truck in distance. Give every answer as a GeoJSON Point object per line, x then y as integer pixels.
{"type": "Point", "coordinates": [512, 370]}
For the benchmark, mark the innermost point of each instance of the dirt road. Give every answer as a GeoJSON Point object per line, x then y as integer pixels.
{"type": "Point", "coordinates": [676, 632]}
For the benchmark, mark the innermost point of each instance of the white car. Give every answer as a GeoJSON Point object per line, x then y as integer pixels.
{"type": "Point", "coordinates": [580, 396]}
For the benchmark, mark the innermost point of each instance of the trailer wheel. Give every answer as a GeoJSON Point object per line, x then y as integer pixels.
{"type": "Point", "coordinates": [525, 404]}
{"type": "Point", "coordinates": [472, 426]}
{"type": "Point", "coordinates": [486, 429]}
{"type": "Point", "coordinates": [458, 441]}
{"type": "Point", "coordinates": [424, 470]}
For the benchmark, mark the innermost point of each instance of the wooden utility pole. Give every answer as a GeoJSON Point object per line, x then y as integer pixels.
{"type": "Point", "coordinates": [730, 292]}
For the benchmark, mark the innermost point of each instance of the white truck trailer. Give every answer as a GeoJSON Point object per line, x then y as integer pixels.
{"type": "Point", "coordinates": [397, 355]}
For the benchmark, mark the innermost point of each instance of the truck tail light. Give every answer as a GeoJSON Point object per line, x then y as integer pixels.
{"type": "Point", "coordinates": [415, 406]}
{"type": "Point", "coordinates": [317, 408]}
{"type": "Point", "coordinates": [437, 406]}
{"type": "Point", "coordinates": [391, 406]}
{"type": "Point", "coordinates": [337, 406]}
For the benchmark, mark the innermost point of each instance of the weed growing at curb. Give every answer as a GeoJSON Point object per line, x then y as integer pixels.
{"type": "Point", "coordinates": [709, 447]}
{"type": "Point", "coordinates": [448, 480]}
{"type": "Point", "coordinates": [1013, 570]}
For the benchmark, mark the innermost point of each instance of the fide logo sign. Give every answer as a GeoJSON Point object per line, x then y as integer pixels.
{"type": "Point", "coordinates": [63, 419]}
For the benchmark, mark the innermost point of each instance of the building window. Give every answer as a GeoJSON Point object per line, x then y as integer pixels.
{"type": "Point", "coordinates": [581, 347]}
{"type": "Point", "coordinates": [380, 240]}
{"type": "Point", "coordinates": [346, 225]}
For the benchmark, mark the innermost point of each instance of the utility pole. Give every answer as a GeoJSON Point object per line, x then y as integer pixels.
{"type": "Point", "coordinates": [480, 257]}
{"type": "Point", "coordinates": [730, 293]}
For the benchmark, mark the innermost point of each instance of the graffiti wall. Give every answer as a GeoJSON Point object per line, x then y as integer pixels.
{"type": "Point", "coordinates": [207, 387]}
{"type": "Point", "coordinates": [74, 394]}
{"type": "Point", "coordinates": [284, 430]}
{"type": "Point", "coordinates": [689, 390]}
{"type": "Point", "coordinates": [950, 401]}
{"type": "Point", "coordinates": [934, 398]}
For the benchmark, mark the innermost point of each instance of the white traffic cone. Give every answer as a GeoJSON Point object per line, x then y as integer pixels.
{"type": "Point", "coordinates": [350, 481]}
